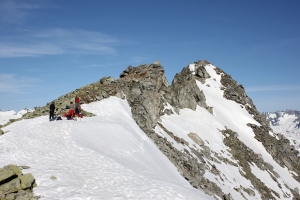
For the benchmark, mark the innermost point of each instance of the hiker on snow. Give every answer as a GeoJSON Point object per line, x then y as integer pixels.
{"type": "Point", "coordinates": [71, 111]}
{"type": "Point", "coordinates": [77, 110]}
{"type": "Point", "coordinates": [77, 101]}
{"type": "Point", "coordinates": [70, 114]}
{"type": "Point", "coordinates": [52, 108]}
{"type": "Point", "coordinates": [71, 106]}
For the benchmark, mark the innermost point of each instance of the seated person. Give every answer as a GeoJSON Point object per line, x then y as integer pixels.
{"type": "Point", "coordinates": [77, 111]}
{"type": "Point", "coordinates": [70, 114]}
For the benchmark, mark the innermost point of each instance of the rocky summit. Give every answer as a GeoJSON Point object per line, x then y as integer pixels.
{"type": "Point", "coordinates": [250, 148]}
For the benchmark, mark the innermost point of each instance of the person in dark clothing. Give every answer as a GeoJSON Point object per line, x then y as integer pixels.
{"type": "Point", "coordinates": [52, 108]}
{"type": "Point", "coordinates": [77, 111]}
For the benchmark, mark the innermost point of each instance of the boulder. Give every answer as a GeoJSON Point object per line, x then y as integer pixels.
{"type": "Point", "coordinates": [196, 139]}
{"type": "Point", "coordinates": [15, 185]}
{"type": "Point", "coordinates": [106, 80]}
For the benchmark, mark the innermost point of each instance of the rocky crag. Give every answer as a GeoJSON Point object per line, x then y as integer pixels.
{"type": "Point", "coordinates": [148, 93]}
{"type": "Point", "coordinates": [286, 125]}
{"type": "Point", "coordinates": [15, 185]}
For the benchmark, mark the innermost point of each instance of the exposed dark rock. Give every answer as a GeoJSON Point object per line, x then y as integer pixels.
{"type": "Point", "coordinates": [200, 72]}
{"type": "Point", "coordinates": [186, 91]}
{"type": "Point", "coordinates": [235, 92]}
{"type": "Point", "coordinates": [187, 165]}
{"type": "Point", "coordinates": [246, 157]}
{"type": "Point", "coordinates": [15, 185]}
{"type": "Point", "coordinates": [279, 148]}
{"type": "Point", "coordinates": [196, 139]}
{"type": "Point", "coordinates": [106, 80]}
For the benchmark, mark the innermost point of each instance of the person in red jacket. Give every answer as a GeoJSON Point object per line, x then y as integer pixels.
{"type": "Point", "coordinates": [77, 101]}
{"type": "Point", "coordinates": [70, 114]}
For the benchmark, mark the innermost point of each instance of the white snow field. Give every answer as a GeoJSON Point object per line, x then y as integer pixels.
{"type": "Point", "coordinates": [103, 157]}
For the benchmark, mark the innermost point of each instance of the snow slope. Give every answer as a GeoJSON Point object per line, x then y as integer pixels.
{"type": "Point", "coordinates": [102, 157]}
{"type": "Point", "coordinates": [226, 114]}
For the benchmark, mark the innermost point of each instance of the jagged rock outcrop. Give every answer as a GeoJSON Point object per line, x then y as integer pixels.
{"type": "Point", "coordinates": [279, 148]}
{"type": "Point", "coordinates": [245, 156]}
{"type": "Point", "coordinates": [144, 88]}
{"type": "Point", "coordinates": [186, 90]}
{"type": "Point", "coordinates": [285, 125]}
{"type": "Point", "coordinates": [188, 165]}
{"type": "Point", "coordinates": [200, 71]}
{"type": "Point", "coordinates": [235, 92]}
{"type": "Point", "coordinates": [15, 185]}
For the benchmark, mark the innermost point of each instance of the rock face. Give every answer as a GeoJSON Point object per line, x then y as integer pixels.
{"type": "Point", "coordinates": [150, 96]}
{"type": "Point", "coordinates": [15, 185]}
{"type": "Point", "coordinates": [186, 91]}
{"type": "Point", "coordinates": [281, 150]}
{"type": "Point", "coordinates": [246, 156]}
{"type": "Point", "coordinates": [235, 92]}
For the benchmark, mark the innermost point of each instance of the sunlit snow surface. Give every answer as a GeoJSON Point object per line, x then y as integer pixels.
{"type": "Point", "coordinates": [226, 114]}
{"type": "Point", "coordinates": [101, 157]}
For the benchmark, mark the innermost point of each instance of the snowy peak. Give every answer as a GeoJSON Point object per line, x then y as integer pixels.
{"type": "Point", "coordinates": [231, 115]}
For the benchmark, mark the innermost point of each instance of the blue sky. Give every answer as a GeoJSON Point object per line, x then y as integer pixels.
{"type": "Point", "coordinates": [49, 48]}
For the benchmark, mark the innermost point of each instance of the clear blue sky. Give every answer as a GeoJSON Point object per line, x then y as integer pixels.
{"type": "Point", "coordinates": [49, 48]}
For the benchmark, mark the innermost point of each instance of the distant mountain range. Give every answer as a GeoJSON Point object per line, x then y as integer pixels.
{"type": "Point", "coordinates": [280, 117]}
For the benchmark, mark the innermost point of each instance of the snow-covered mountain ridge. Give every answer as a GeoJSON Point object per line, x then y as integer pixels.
{"type": "Point", "coordinates": [5, 116]}
{"type": "Point", "coordinates": [204, 123]}
{"type": "Point", "coordinates": [286, 123]}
